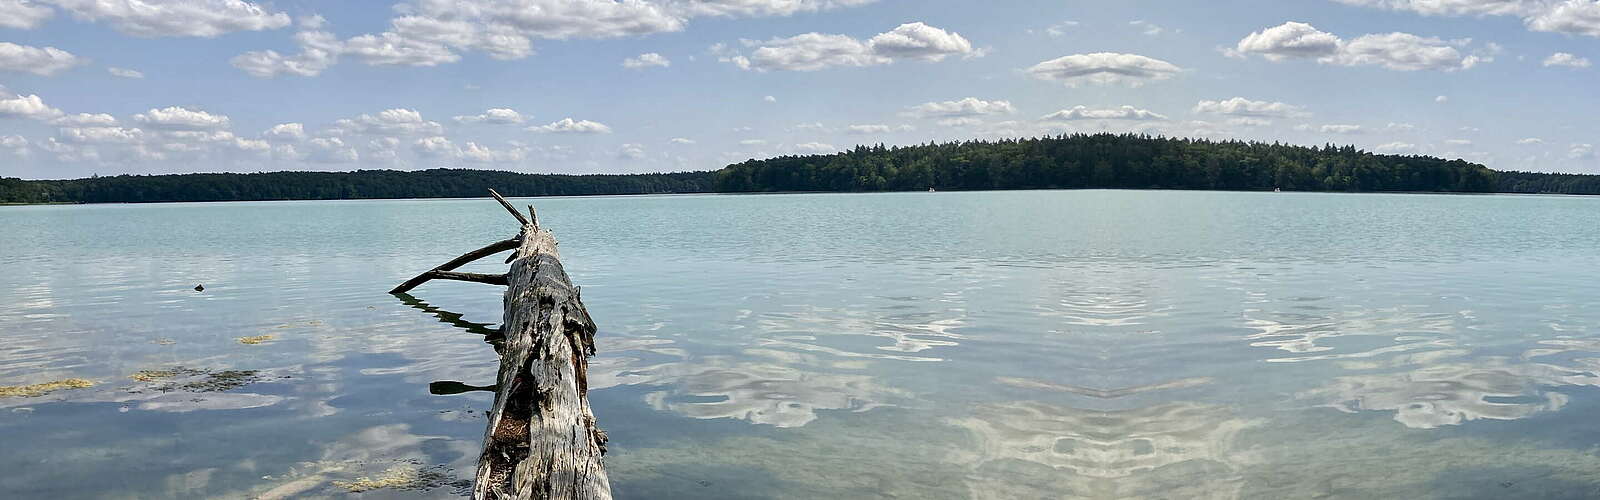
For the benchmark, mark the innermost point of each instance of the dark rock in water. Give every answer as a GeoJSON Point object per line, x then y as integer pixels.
{"type": "Point", "coordinates": [199, 288]}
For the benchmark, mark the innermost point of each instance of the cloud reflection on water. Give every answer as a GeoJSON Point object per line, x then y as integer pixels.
{"type": "Point", "coordinates": [1032, 449]}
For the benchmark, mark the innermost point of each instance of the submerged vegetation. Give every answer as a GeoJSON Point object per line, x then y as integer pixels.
{"type": "Point", "coordinates": [258, 339]}
{"type": "Point", "coordinates": [1059, 162]}
{"type": "Point", "coordinates": [28, 391]}
{"type": "Point", "coordinates": [196, 380]}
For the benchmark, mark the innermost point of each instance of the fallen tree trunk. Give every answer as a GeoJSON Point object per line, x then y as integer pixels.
{"type": "Point", "coordinates": [541, 441]}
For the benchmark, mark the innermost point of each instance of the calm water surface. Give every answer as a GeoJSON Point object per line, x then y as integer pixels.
{"type": "Point", "coordinates": [1053, 344]}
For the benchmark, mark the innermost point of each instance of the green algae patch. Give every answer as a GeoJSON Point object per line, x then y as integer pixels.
{"type": "Point", "coordinates": [258, 339]}
{"type": "Point", "coordinates": [399, 478]}
{"type": "Point", "coordinates": [196, 380]}
{"type": "Point", "coordinates": [28, 391]}
{"type": "Point", "coordinates": [153, 375]}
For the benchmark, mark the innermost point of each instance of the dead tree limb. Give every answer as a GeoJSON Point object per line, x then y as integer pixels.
{"type": "Point", "coordinates": [469, 257]}
{"type": "Point", "coordinates": [509, 208]}
{"type": "Point", "coordinates": [541, 441]}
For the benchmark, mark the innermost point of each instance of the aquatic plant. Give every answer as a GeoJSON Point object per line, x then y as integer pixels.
{"type": "Point", "coordinates": [28, 391]}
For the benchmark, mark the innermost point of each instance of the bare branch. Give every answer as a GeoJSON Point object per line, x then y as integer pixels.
{"type": "Point", "coordinates": [514, 213]}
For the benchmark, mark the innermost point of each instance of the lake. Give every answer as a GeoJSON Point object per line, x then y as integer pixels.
{"type": "Point", "coordinates": [1035, 344]}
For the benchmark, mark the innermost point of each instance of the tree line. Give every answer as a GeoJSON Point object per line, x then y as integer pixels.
{"type": "Point", "coordinates": [1059, 162]}
{"type": "Point", "coordinates": [1107, 161]}
{"type": "Point", "coordinates": [361, 184]}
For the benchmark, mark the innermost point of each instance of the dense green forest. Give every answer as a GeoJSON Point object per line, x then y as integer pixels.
{"type": "Point", "coordinates": [1107, 161]}
{"type": "Point", "coordinates": [362, 184]}
{"type": "Point", "coordinates": [1068, 161]}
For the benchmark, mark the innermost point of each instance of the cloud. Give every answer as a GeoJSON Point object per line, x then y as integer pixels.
{"type": "Point", "coordinates": [86, 120]}
{"type": "Point", "coordinates": [330, 150]}
{"type": "Point", "coordinates": [25, 106]}
{"type": "Point", "coordinates": [757, 8]}
{"type": "Point", "coordinates": [680, 140]}
{"type": "Point", "coordinates": [102, 135]}
{"type": "Point", "coordinates": [1395, 51]}
{"type": "Point", "coordinates": [1530, 141]}
{"type": "Point", "coordinates": [319, 50]}
{"type": "Point", "coordinates": [1441, 99]}
{"type": "Point", "coordinates": [769, 99]}
{"type": "Point", "coordinates": [286, 132]}
{"type": "Point", "coordinates": [570, 126]}
{"type": "Point", "coordinates": [197, 18]}
{"type": "Point", "coordinates": [1148, 28]}
{"type": "Point", "coordinates": [1246, 121]}
{"type": "Point", "coordinates": [1568, 60]}
{"type": "Point", "coordinates": [970, 106]}
{"type": "Point", "coordinates": [1084, 113]}
{"type": "Point", "coordinates": [1240, 106]}
{"type": "Point", "coordinates": [919, 41]}
{"type": "Point", "coordinates": [813, 148]}
{"type": "Point", "coordinates": [389, 49]}
{"type": "Point", "coordinates": [1060, 29]}
{"type": "Point", "coordinates": [1341, 129]}
{"type": "Point", "coordinates": [1573, 17]}
{"type": "Point", "coordinates": [752, 142]}
{"type": "Point", "coordinates": [434, 32]}
{"type": "Point", "coordinates": [631, 152]}
{"type": "Point", "coordinates": [398, 121]}
{"type": "Point", "coordinates": [816, 51]}
{"type": "Point", "coordinates": [1581, 151]}
{"type": "Point", "coordinates": [1291, 39]}
{"type": "Point", "coordinates": [124, 73]}
{"type": "Point", "coordinates": [496, 116]}
{"type": "Point", "coordinates": [1395, 148]}
{"type": "Point", "coordinates": [180, 118]}
{"type": "Point", "coordinates": [1458, 142]}
{"type": "Point", "coordinates": [44, 61]}
{"type": "Point", "coordinates": [443, 148]}
{"type": "Point", "coordinates": [959, 122]}
{"type": "Point", "coordinates": [646, 60]}
{"type": "Point", "coordinates": [23, 14]}
{"type": "Point", "coordinates": [1104, 68]}
{"type": "Point", "coordinates": [865, 129]}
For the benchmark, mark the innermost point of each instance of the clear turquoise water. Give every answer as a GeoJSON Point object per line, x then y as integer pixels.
{"type": "Point", "coordinates": [1050, 344]}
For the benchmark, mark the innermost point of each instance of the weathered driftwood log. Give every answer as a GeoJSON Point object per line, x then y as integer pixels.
{"type": "Point", "coordinates": [542, 441]}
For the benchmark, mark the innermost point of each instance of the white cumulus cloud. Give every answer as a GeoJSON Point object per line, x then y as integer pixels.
{"type": "Point", "coordinates": [1104, 68]}
{"type": "Point", "coordinates": [171, 18]}
{"type": "Point", "coordinates": [23, 14]}
{"type": "Point", "coordinates": [970, 106]}
{"type": "Point", "coordinates": [1395, 51]}
{"type": "Point", "coordinates": [1566, 59]}
{"type": "Point", "coordinates": [646, 60]}
{"type": "Point", "coordinates": [180, 118]}
{"type": "Point", "coordinates": [816, 51]}
{"type": "Point", "coordinates": [1085, 113]}
{"type": "Point", "coordinates": [496, 116]}
{"type": "Point", "coordinates": [570, 126]}
{"type": "Point", "coordinates": [42, 61]}
{"type": "Point", "coordinates": [1239, 106]}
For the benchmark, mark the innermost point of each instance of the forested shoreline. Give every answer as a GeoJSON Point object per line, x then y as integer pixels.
{"type": "Point", "coordinates": [1060, 162]}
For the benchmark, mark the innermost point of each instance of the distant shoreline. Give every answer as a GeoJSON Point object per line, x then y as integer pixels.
{"type": "Point", "coordinates": [1067, 162]}
{"type": "Point", "coordinates": [763, 193]}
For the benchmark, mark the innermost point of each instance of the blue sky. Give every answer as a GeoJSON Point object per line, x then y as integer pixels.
{"type": "Point", "coordinates": [159, 86]}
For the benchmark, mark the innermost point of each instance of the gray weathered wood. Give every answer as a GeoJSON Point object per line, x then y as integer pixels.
{"type": "Point", "coordinates": [509, 208]}
{"type": "Point", "coordinates": [469, 257]}
{"type": "Point", "coordinates": [542, 441]}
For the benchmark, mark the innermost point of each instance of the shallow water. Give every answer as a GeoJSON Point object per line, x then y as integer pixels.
{"type": "Point", "coordinates": [1060, 344]}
